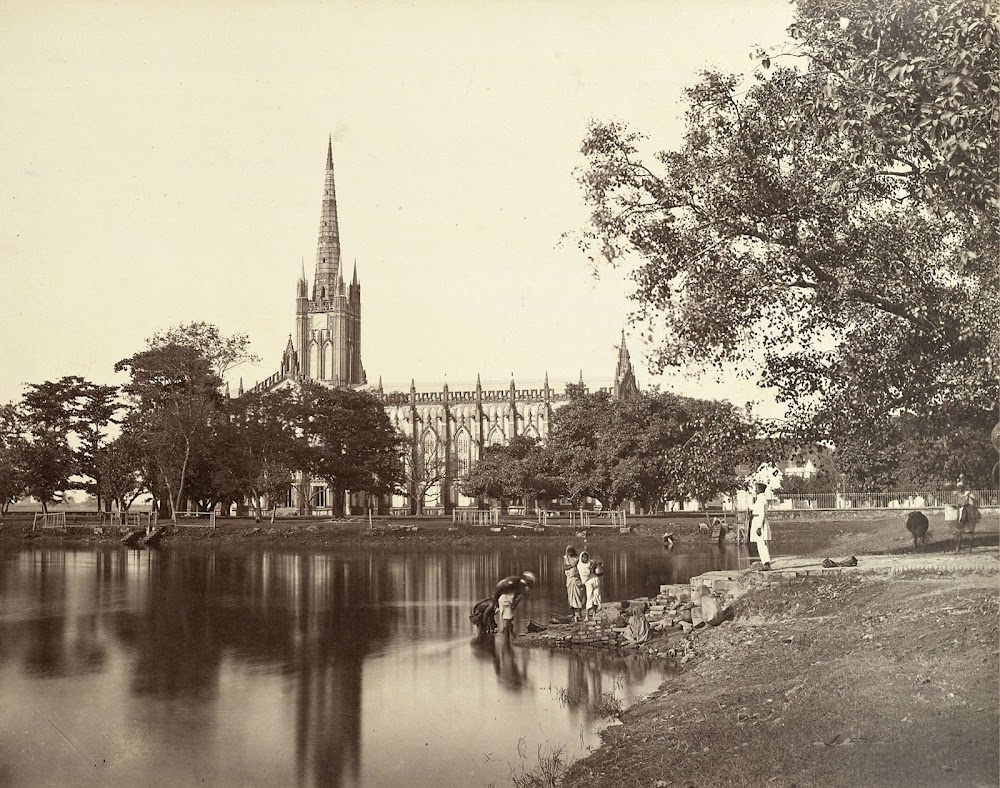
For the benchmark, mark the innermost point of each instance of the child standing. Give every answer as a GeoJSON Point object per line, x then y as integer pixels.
{"type": "Point", "coordinates": [593, 586]}
{"type": "Point", "coordinates": [506, 606]}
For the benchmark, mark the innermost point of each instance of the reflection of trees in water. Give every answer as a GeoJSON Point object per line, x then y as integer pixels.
{"type": "Point", "coordinates": [309, 613]}
{"type": "Point", "coordinates": [56, 642]}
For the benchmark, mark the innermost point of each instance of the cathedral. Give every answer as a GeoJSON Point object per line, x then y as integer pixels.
{"type": "Point", "coordinates": [445, 430]}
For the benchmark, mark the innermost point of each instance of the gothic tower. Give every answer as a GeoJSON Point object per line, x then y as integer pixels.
{"type": "Point", "coordinates": [625, 383]}
{"type": "Point", "coordinates": [327, 338]}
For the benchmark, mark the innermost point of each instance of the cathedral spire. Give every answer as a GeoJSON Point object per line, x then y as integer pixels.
{"type": "Point", "coordinates": [328, 246]}
{"type": "Point", "coordinates": [625, 383]}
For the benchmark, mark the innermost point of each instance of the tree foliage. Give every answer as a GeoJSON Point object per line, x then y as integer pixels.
{"type": "Point", "coordinates": [352, 445]}
{"type": "Point", "coordinates": [914, 83]}
{"type": "Point", "coordinates": [654, 447]}
{"type": "Point", "coordinates": [787, 234]}
{"type": "Point", "coordinates": [175, 408]}
{"type": "Point", "coordinates": [510, 472]}
{"type": "Point", "coordinates": [222, 353]}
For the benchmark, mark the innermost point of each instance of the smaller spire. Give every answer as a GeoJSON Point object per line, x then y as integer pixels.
{"type": "Point", "coordinates": [581, 377]}
{"type": "Point", "coordinates": [413, 384]}
{"type": "Point", "coordinates": [239, 391]}
{"type": "Point", "coordinates": [354, 279]}
{"type": "Point", "coordinates": [479, 383]}
{"type": "Point", "coordinates": [226, 392]}
{"type": "Point", "coordinates": [329, 153]}
{"type": "Point", "coordinates": [380, 383]}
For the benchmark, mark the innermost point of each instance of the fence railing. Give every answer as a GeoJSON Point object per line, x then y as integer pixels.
{"type": "Point", "coordinates": [908, 499]}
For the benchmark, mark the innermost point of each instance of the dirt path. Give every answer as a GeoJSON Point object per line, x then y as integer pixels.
{"type": "Point", "coordinates": [886, 675]}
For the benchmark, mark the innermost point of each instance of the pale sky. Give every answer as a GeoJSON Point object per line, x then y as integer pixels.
{"type": "Point", "coordinates": [162, 162]}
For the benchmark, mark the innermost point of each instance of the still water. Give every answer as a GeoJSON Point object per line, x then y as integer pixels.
{"type": "Point", "coordinates": [264, 667]}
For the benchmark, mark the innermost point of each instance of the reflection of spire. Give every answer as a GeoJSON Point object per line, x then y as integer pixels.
{"type": "Point", "coordinates": [625, 383]}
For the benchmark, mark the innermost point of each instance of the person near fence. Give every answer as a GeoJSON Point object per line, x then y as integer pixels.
{"type": "Point", "coordinates": [759, 527]}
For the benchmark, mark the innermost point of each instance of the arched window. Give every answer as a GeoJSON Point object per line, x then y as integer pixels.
{"type": "Point", "coordinates": [428, 455]}
{"type": "Point", "coordinates": [463, 452]}
{"type": "Point", "coordinates": [495, 438]}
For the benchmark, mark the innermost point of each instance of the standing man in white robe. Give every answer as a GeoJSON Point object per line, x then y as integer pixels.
{"type": "Point", "coordinates": [760, 529]}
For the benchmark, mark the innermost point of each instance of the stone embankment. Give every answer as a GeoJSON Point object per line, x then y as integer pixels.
{"type": "Point", "coordinates": [675, 613]}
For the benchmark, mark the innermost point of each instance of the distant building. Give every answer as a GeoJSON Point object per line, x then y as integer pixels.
{"type": "Point", "coordinates": [446, 430]}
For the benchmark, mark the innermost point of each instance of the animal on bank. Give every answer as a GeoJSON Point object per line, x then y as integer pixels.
{"type": "Point", "coordinates": [916, 524]}
{"type": "Point", "coordinates": [968, 518]}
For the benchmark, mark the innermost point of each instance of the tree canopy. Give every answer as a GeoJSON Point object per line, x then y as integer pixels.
{"type": "Point", "coordinates": [829, 228]}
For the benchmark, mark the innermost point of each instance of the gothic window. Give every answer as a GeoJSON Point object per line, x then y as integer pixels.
{"type": "Point", "coordinates": [429, 454]}
{"type": "Point", "coordinates": [530, 431]}
{"type": "Point", "coordinates": [495, 438]}
{"type": "Point", "coordinates": [463, 452]}
{"type": "Point", "coordinates": [314, 361]}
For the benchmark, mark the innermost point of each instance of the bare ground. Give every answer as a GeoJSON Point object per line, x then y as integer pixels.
{"type": "Point", "coordinates": [888, 676]}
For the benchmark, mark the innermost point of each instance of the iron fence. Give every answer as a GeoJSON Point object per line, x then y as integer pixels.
{"type": "Point", "coordinates": [907, 499]}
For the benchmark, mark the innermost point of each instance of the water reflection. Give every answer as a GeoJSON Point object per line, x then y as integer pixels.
{"type": "Point", "coordinates": [267, 667]}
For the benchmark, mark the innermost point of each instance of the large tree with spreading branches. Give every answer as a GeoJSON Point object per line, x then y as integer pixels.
{"type": "Point", "coordinates": [830, 226]}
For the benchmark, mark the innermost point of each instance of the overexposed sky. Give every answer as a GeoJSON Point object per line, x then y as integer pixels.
{"type": "Point", "coordinates": [162, 162]}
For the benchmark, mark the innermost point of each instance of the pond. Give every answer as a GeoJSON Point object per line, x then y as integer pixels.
{"type": "Point", "coordinates": [185, 666]}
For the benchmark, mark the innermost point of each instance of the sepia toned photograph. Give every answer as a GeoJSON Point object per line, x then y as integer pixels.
{"type": "Point", "coordinates": [509, 393]}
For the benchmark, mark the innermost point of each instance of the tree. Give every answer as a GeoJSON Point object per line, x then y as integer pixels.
{"type": "Point", "coordinates": [176, 403]}
{"type": "Point", "coordinates": [222, 353]}
{"type": "Point", "coordinates": [425, 465]}
{"type": "Point", "coordinates": [915, 83]}
{"type": "Point", "coordinates": [784, 246]}
{"type": "Point", "coordinates": [513, 471]}
{"type": "Point", "coordinates": [12, 479]}
{"type": "Point", "coordinates": [648, 448]}
{"type": "Point", "coordinates": [120, 465]}
{"type": "Point", "coordinates": [268, 448]}
{"type": "Point", "coordinates": [74, 412]}
{"type": "Point", "coordinates": [352, 444]}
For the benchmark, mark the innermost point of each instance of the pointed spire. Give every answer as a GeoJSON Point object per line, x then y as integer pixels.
{"type": "Point", "coordinates": [380, 383]}
{"type": "Point", "coordinates": [226, 392]}
{"type": "Point", "coordinates": [354, 279]}
{"type": "Point", "coordinates": [581, 377]}
{"type": "Point", "coordinates": [625, 383]}
{"type": "Point", "coordinates": [239, 391]}
{"type": "Point", "coordinates": [479, 383]}
{"type": "Point", "coordinates": [328, 246]}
